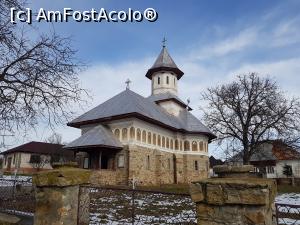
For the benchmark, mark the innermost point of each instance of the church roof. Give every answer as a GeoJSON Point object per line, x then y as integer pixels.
{"type": "Point", "coordinates": [167, 96]}
{"type": "Point", "coordinates": [98, 136]}
{"type": "Point", "coordinates": [130, 104]}
{"type": "Point", "coordinates": [164, 62]}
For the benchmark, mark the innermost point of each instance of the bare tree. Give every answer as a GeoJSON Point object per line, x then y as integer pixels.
{"type": "Point", "coordinates": [55, 138]}
{"type": "Point", "coordinates": [249, 110]}
{"type": "Point", "coordinates": [38, 78]}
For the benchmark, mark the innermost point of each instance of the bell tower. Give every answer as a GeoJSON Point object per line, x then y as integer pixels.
{"type": "Point", "coordinates": [164, 73]}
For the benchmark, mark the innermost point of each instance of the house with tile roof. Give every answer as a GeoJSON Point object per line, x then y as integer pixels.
{"type": "Point", "coordinates": [270, 158]}
{"type": "Point", "coordinates": [34, 156]}
{"type": "Point", "coordinates": [152, 140]}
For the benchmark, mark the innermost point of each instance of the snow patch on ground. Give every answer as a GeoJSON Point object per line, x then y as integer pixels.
{"type": "Point", "coordinates": [288, 198]}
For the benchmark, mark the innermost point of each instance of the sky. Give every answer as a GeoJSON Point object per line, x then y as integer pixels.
{"type": "Point", "coordinates": [210, 41]}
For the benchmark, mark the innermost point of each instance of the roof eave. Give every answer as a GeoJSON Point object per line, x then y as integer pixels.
{"type": "Point", "coordinates": [142, 117]}
{"type": "Point", "coordinates": [177, 71]}
{"type": "Point", "coordinates": [93, 146]}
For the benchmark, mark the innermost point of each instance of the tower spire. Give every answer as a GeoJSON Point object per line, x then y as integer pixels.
{"type": "Point", "coordinates": [164, 42]}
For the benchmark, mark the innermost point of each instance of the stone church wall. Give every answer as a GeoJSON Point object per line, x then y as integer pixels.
{"type": "Point", "coordinates": [153, 167]}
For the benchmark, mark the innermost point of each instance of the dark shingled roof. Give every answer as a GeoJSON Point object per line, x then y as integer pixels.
{"type": "Point", "coordinates": [98, 136]}
{"type": "Point", "coordinates": [167, 96]}
{"type": "Point", "coordinates": [130, 104]}
{"type": "Point", "coordinates": [40, 148]}
{"type": "Point", "coordinates": [164, 62]}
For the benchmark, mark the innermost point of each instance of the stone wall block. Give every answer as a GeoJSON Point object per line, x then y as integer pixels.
{"type": "Point", "coordinates": [234, 201]}
{"type": "Point", "coordinates": [57, 196]}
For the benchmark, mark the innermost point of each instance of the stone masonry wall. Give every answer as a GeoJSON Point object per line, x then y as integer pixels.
{"type": "Point", "coordinates": [234, 200]}
{"type": "Point", "coordinates": [161, 166]}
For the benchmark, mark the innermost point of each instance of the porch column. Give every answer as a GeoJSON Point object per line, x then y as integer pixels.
{"type": "Point", "coordinates": [58, 196]}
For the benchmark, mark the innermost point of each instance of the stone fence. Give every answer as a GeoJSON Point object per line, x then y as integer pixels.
{"type": "Point", "coordinates": [235, 198]}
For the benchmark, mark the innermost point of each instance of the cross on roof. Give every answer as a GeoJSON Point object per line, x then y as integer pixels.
{"type": "Point", "coordinates": [164, 42]}
{"type": "Point", "coordinates": [127, 82]}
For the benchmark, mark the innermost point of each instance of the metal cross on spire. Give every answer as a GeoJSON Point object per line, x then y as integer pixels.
{"type": "Point", "coordinates": [164, 42]}
{"type": "Point", "coordinates": [127, 82]}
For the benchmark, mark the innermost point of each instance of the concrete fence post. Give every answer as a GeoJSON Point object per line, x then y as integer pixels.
{"type": "Point", "coordinates": [57, 196]}
{"type": "Point", "coordinates": [234, 198]}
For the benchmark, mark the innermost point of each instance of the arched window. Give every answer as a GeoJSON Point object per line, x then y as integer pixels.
{"type": "Point", "coordinates": [154, 139]}
{"type": "Point", "coordinates": [181, 145]}
{"type": "Point", "coordinates": [163, 142]}
{"type": "Point", "coordinates": [174, 81]}
{"type": "Point", "coordinates": [158, 80]}
{"type": "Point", "coordinates": [206, 144]}
{"type": "Point", "coordinates": [158, 140]}
{"type": "Point", "coordinates": [132, 133]}
{"type": "Point", "coordinates": [186, 145]}
{"type": "Point", "coordinates": [171, 144]}
{"type": "Point", "coordinates": [149, 138]}
{"type": "Point", "coordinates": [124, 134]}
{"type": "Point", "coordinates": [176, 145]}
{"type": "Point", "coordinates": [167, 79]}
{"type": "Point", "coordinates": [144, 136]}
{"type": "Point", "coordinates": [117, 133]}
{"type": "Point", "coordinates": [138, 134]}
{"type": "Point", "coordinates": [194, 146]}
{"type": "Point", "coordinates": [201, 145]}
{"type": "Point", "coordinates": [167, 143]}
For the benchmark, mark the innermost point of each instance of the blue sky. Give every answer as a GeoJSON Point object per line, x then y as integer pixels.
{"type": "Point", "coordinates": [211, 41]}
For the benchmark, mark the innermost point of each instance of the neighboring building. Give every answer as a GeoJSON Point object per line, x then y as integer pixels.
{"type": "Point", "coordinates": [214, 162]}
{"type": "Point", "coordinates": [33, 156]}
{"type": "Point", "coordinates": [153, 140]}
{"type": "Point", "coordinates": [271, 157]}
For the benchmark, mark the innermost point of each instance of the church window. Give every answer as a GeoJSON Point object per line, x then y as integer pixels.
{"type": "Point", "coordinates": [167, 143]}
{"type": "Point", "coordinates": [167, 79]}
{"type": "Point", "coordinates": [194, 146]}
{"type": "Point", "coordinates": [121, 161]}
{"type": "Point", "coordinates": [117, 133]}
{"type": "Point", "coordinates": [132, 133]}
{"type": "Point", "coordinates": [174, 81]}
{"type": "Point", "coordinates": [201, 145]}
{"type": "Point", "coordinates": [196, 165]}
{"type": "Point", "coordinates": [124, 134]}
{"type": "Point", "coordinates": [144, 136]}
{"type": "Point", "coordinates": [138, 134]}
{"type": "Point", "coordinates": [149, 137]}
{"type": "Point", "coordinates": [163, 142]}
{"type": "Point", "coordinates": [158, 140]}
{"type": "Point", "coordinates": [158, 80]}
{"type": "Point", "coordinates": [154, 139]}
{"type": "Point", "coordinates": [176, 145]}
{"type": "Point", "coordinates": [186, 145]}
{"type": "Point", "coordinates": [171, 144]}
{"type": "Point", "coordinates": [148, 162]}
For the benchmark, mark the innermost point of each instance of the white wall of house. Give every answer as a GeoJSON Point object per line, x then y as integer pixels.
{"type": "Point", "coordinates": [295, 167]}
{"type": "Point", "coordinates": [20, 160]}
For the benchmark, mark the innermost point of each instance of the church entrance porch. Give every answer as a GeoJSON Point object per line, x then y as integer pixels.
{"type": "Point", "coordinates": [100, 159]}
{"type": "Point", "coordinates": [108, 166]}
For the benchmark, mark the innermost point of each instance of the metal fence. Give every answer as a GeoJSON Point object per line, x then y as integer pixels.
{"type": "Point", "coordinates": [287, 214]}
{"type": "Point", "coordinates": [17, 196]}
{"type": "Point", "coordinates": [110, 205]}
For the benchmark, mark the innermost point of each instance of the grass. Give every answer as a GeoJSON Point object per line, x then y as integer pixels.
{"type": "Point", "coordinates": [184, 189]}
{"type": "Point", "coordinates": [173, 188]}
{"type": "Point", "coordinates": [288, 189]}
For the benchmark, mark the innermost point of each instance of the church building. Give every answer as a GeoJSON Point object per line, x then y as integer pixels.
{"type": "Point", "coordinates": [152, 140]}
